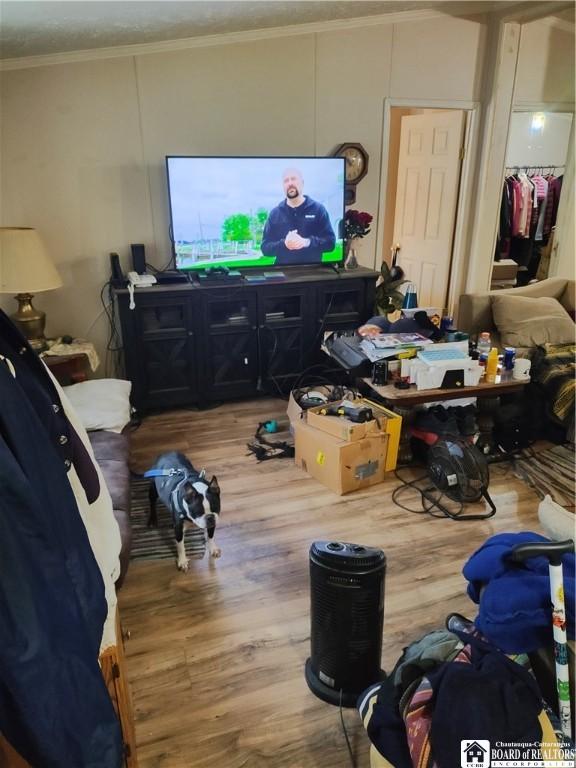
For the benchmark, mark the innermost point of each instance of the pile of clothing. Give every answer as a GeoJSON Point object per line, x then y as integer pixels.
{"type": "Point", "coordinates": [473, 680]}
{"type": "Point", "coordinates": [449, 687]}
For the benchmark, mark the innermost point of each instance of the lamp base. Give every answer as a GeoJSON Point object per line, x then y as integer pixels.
{"type": "Point", "coordinates": [30, 321]}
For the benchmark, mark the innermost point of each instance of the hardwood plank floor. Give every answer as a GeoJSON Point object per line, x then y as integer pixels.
{"type": "Point", "coordinates": [216, 656]}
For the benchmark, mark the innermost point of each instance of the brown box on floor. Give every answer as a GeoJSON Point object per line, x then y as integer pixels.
{"type": "Point", "coordinates": [384, 421]}
{"type": "Point", "coordinates": [341, 466]}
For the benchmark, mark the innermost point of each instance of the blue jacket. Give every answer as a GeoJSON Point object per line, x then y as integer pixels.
{"type": "Point", "coordinates": [54, 706]}
{"type": "Point", "coordinates": [514, 600]}
{"type": "Point", "coordinates": [310, 220]}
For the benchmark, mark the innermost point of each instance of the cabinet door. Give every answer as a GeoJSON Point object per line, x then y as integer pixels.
{"type": "Point", "coordinates": [341, 306]}
{"type": "Point", "coordinates": [230, 358]}
{"type": "Point", "coordinates": [165, 353]}
{"type": "Point", "coordinates": [285, 320]}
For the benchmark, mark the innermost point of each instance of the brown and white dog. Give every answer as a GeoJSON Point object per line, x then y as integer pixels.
{"type": "Point", "coordinates": [185, 493]}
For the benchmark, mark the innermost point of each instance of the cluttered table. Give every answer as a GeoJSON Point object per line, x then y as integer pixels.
{"type": "Point", "coordinates": [413, 396]}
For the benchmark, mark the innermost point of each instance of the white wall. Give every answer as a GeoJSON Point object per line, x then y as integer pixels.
{"type": "Point", "coordinates": [83, 143]}
{"type": "Point", "coordinates": [539, 138]}
{"type": "Point", "coordinates": [545, 70]}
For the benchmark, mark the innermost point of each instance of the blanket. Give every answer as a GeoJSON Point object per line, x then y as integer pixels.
{"type": "Point", "coordinates": [554, 369]}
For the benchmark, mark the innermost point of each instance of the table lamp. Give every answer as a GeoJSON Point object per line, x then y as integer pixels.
{"type": "Point", "coordinates": [26, 269]}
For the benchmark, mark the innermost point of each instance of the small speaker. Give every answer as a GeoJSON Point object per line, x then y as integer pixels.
{"type": "Point", "coordinates": [138, 258]}
{"type": "Point", "coordinates": [116, 276]}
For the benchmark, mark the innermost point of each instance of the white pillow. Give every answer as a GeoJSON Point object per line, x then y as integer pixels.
{"type": "Point", "coordinates": [101, 403]}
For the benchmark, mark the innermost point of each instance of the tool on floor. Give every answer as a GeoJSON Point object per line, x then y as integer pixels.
{"type": "Point", "coordinates": [264, 448]}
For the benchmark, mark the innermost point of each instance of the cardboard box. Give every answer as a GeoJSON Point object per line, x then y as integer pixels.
{"type": "Point", "coordinates": [343, 467]}
{"type": "Point", "coordinates": [385, 421]}
{"type": "Point", "coordinates": [339, 426]}
{"type": "Point", "coordinates": [505, 269]}
{"type": "Point", "coordinates": [294, 412]}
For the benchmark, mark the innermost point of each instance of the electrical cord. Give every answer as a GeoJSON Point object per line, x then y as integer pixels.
{"type": "Point", "coordinates": [265, 449]}
{"type": "Point", "coordinates": [114, 344]}
{"type": "Point", "coordinates": [425, 496]}
{"type": "Point", "coordinates": [350, 752]}
{"type": "Point", "coordinates": [298, 384]}
{"type": "Point", "coordinates": [165, 268]}
{"type": "Point", "coordinates": [269, 373]}
{"type": "Point", "coordinates": [322, 324]}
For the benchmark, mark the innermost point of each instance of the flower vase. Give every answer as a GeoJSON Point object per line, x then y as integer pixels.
{"type": "Point", "coordinates": [351, 260]}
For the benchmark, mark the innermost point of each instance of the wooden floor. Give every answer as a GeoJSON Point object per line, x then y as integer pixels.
{"type": "Point", "coordinates": [216, 656]}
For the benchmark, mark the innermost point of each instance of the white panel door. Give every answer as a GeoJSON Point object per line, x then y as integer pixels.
{"type": "Point", "coordinates": [426, 199]}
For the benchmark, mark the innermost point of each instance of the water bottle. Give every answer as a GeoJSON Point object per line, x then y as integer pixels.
{"type": "Point", "coordinates": [484, 344]}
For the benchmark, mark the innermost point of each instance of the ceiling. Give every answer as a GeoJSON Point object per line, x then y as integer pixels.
{"type": "Point", "coordinates": [41, 27]}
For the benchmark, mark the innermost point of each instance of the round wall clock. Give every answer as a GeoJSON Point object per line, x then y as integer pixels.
{"type": "Point", "coordinates": [356, 168]}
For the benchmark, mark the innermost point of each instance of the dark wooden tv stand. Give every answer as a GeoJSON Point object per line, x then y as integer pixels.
{"type": "Point", "coordinates": [197, 344]}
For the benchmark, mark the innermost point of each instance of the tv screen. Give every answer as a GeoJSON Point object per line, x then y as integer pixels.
{"type": "Point", "coordinates": [255, 211]}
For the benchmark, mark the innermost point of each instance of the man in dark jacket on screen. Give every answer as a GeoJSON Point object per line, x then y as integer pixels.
{"type": "Point", "coordinates": [298, 230]}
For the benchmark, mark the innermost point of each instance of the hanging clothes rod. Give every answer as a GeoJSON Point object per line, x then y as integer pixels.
{"type": "Point", "coordinates": [533, 167]}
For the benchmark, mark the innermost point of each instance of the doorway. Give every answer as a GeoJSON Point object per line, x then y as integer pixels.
{"type": "Point", "coordinates": [427, 171]}
{"type": "Point", "coordinates": [536, 154]}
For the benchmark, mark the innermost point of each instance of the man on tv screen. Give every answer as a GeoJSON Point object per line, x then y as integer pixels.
{"type": "Point", "coordinates": [298, 230]}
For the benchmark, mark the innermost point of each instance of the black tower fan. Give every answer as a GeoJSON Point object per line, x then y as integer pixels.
{"type": "Point", "coordinates": [347, 614]}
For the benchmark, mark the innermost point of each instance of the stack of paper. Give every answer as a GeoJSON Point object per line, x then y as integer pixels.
{"type": "Point", "coordinates": [390, 344]}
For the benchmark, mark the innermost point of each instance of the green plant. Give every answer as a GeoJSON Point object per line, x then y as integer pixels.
{"type": "Point", "coordinates": [236, 228]}
{"type": "Point", "coordinates": [388, 298]}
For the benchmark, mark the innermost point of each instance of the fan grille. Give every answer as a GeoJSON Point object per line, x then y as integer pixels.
{"type": "Point", "coordinates": [458, 469]}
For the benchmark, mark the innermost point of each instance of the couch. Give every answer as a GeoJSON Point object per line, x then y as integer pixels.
{"type": "Point", "coordinates": [111, 451]}
{"type": "Point", "coordinates": [475, 309]}
{"type": "Point", "coordinates": [103, 408]}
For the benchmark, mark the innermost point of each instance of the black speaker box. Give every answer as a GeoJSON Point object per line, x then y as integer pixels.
{"type": "Point", "coordinates": [138, 258]}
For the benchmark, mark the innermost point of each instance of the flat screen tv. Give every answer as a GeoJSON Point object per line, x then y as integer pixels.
{"type": "Point", "coordinates": [255, 211]}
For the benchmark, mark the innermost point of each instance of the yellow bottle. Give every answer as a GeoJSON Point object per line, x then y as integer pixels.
{"type": "Point", "coordinates": [492, 366]}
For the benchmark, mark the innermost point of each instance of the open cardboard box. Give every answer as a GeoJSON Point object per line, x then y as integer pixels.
{"type": "Point", "coordinates": [341, 466]}
{"type": "Point", "coordinates": [385, 421]}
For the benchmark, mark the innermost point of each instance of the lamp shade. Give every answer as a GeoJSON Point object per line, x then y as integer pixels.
{"type": "Point", "coordinates": [25, 266]}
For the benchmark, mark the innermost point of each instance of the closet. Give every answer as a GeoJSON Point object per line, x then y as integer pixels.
{"type": "Point", "coordinates": [531, 191]}
{"type": "Point", "coordinates": [528, 211]}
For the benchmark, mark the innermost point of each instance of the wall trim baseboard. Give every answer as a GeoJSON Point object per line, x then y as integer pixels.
{"type": "Point", "coordinates": [208, 41]}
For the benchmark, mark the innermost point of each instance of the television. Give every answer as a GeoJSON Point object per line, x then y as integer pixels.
{"type": "Point", "coordinates": [255, 211]}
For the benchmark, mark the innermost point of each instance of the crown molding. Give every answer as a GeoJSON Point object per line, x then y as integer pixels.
{"type": "Point", "coordinates": [208, 41]}
{"type": "Point", "coordinates": [556, 23]}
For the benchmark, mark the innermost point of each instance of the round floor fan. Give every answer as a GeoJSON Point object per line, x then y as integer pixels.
{"type": "Point", "coordinates": [460, 471]}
